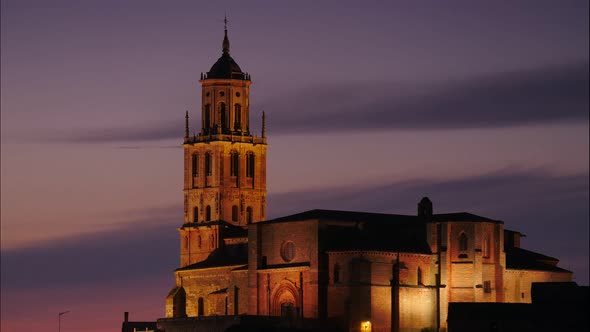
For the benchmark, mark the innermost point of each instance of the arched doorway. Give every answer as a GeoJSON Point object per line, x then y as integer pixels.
{"type": "Point", "coordinates": [285, 300]}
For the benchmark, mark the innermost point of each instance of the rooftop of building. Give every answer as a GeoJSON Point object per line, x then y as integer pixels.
{"type": "Point", "coordinates": [232, 255]}
{"type": "Point", "coordinates": [226, 67]}
{"type": "Point", "coordinates": [522, 259]}
{"type": "Point", "coordinates": [354, 216]}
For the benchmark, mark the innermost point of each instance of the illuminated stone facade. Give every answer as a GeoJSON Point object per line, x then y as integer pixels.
{"type": "Point", "coordinates": [363, 271]}
{"type": "Point", "coordinates": [224, 165]}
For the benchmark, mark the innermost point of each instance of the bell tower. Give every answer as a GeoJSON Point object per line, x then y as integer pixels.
{"type": "Point", "coordinates": [224, 163]}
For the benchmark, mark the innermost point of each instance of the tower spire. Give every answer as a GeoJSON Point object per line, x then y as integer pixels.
{"type": "Point", "coordinates": [186, 125]}
{"type": "Point", "coordinates": [225, 46]}
{"type": "Point", "coordinates": [263, 124]}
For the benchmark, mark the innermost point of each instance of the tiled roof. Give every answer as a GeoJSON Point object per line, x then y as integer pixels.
{"type": "Point", "coordinates": [221, 257]}
{"type": "Point", "coordinates": [522, 259]}
{"type": "Point", "coordinates": [462, 216]}
{"type": "Point", "coordinates": [229, 230]}
{"type": "Point", "coordinates": [376, 231]}
{"type": "Point", "coordinates": [381, 217]}
{"type": "Point", "coordinates": [343, 216]}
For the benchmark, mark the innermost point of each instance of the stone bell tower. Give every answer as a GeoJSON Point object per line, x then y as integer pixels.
{"type": "Point", "coordinates": [224, 164]}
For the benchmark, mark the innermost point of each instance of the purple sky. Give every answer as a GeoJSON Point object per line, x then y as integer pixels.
{"type": "Point", "coordinates": [370, 106]}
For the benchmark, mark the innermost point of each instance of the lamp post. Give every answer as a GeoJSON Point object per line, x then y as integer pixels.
{"type": "Point", "coordinates": [59, 319]}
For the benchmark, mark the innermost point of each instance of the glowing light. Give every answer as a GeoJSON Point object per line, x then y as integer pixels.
{"type": "Point", "coordinates": [366, 326]}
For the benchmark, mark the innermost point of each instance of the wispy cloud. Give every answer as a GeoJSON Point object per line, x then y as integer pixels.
{"type": "Point", "coordinates": [500, 195]}
{"type": "Point", "coordinates": [550, 94]}
{"type": "Point", "coordinates": [147, 246]}
{"type": "Point", "coordinates": [162, 131]}
{"type": "Point", "coordinates": [542, 95]}
{"type": "Point", "coordinates": [142, 147]}
{"type": "Point", "coordinates": [143, 247]}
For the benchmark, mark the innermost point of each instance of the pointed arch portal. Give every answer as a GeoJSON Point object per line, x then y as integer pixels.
{"type": "Point", "coordinates": [285, 300]}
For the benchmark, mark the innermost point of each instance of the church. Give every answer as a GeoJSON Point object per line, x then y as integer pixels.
{"type": "Point", "coordinates": [355, 271]}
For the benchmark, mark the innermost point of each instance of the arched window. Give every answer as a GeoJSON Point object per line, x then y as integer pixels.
{"type": "Point", "coordinates": [250, 165]}
{"type": "Point", "coordinates": [208, 213]}
{"type": "Point", "coordinates": [234, 213]}
{"type": "Point", "coordinates": [186, 242]}
{"type": "Point", "coordinates": [249, 215]}
{"type": "Point", "coordinates": [238, 116]}
{"type": "Point", "coordinates": [336, 273]}
{"type": "Point", "coordinates": [195, 165]}
{"type": "Point", "coordinates": [419, 276]}
{"type": "Point", "coordinates": [200, 307]}
{"type": "Point", "coordinates": [463, 242]}
{"type": "Point", "coordinates": [195, 214]}
{"type": "Point", "coordinates": [234, 163]}
{"type": "Point", "coordinates": [486, 247]}
{"type": "Point", "coordinates": [224, 116]}
{"type": "Point", "coordinates": [199, 241]}
{"type": "Point", "coordinates": [211, 242]}
{"type": "Point", "coordinates": [207, 121]}
{"type": "Point", "coordinates": [208, 166]}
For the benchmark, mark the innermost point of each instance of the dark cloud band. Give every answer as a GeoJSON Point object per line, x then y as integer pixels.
{"type": "Point", "coordinates": [149, 246]}
{"type": "Point", "coordinates": [542, 95]}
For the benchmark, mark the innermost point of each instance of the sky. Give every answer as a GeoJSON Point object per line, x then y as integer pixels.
{"type": "Point", "coordinates": [482, 106]}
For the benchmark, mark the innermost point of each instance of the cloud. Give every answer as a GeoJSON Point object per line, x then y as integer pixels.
{"type": "Point", "coordinates": [144, 247]}
{"type": "Point", "coordinates": [543, 95]}
{"type": "Point", "coordinates": [143, 147]}
{"type": "Point", "coordinates": [550, 94]}
{"type": "Point", "coordinates": [551, 210]}
{"type": "Point", "coordinates": [160, 131]}
{"type": "Point", "coordinates": [503, 195]}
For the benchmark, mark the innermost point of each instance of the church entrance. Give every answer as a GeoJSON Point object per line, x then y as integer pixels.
{"type": "Point", "coordinates": [285, 300]}
{"type": "Point", "coordinates": [288, 310]}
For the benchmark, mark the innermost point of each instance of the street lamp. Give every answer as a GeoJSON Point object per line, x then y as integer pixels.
{"type": "Point", "coordinates": [59, 319]}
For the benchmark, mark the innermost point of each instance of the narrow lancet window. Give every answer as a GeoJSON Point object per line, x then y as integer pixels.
{"type": "Point", "coordinates": [207, 121]}
{"type": "Point", "coordinates": [336, 273]}
{"type": "Point", "coordinates": [234, 213]}
{"type": "Point", "coordinates": [419, 277]}
{"type": "Point", "coordinates": [208, 166]}
{"type": "Point", "coordinates": [238, 116]}
{"type": "Point", "coordinates": [234, 164]}
{"type": "Point", "coordinates": [224, 116]}
{"type": "Point", "coordinates": [486, 247]}
{"type": "Point", "coordinates": [463, 242]}
{"type": "Point", "coordinates": [201, 307]}
{"type": "Point", "coordinates": [208, 213]}
{"type": "Point", "coordinates": [249, 215]}
{"type": "Point", "coordinates": [250, 165]}
{"type": "Point", "coordinates": [195, 165]}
